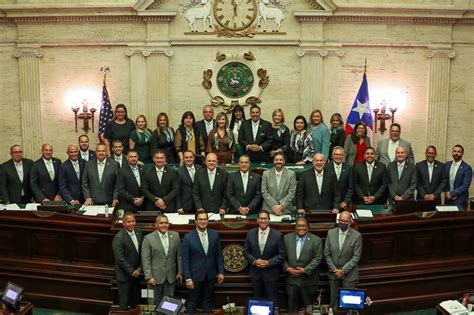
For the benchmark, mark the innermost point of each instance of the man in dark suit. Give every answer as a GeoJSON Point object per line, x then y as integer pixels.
{"type": "Point", "coordinates": [70, 177]}
{"type": "Point", "coordinates": [317, 188]}
{"type": "Point", "coordinates": [161, 259]}
{"type": "Point", "coordinates": [431, 177]}
{"type": "Point", "coordinates": [129, 181]}
{"type": "Point", "coordinates": [117, 153]}
{"type": "Point", "coordinates": [202, 262]}
{"type": "Point", "coordinates": [126, 247]}
{"type": "Point", "coordinates": [187, 175]}
{"type": "Point", "coordinates": [459, 178]}
{"type": "Point", "coordinates": [401, 175]}
{"type": "Point", "coordinates": [255, 136]}
{"type": "Point", "coordinates": [161, 185]}
{"type": "Point", "coordinates": [342, 252]}
{"type": "Point", "coordinates": [15, 179]}
{"type": "Point", "coordinates": [264, 250]}
{"type": "Point", "coordinates": [44, 176]}
{"type": "Point", "coordinates": [207, 196]}
{"type": "Point", "coordinates": [84, 152]}
{"type": "Point", "coordinates": [343, 172]}
{"type": "Point", "coordinates": [278, 187]}
{"type": "Point", "coordinates": [99, 179]}
{"type": "Point", "coordinates": [207, 123]}
{"type": "Point", "coordinates": [304, 252]}
{"type": "Point", "coordinates": [243, 189]}
{"type": "Point", "coordinates": [370, 180]}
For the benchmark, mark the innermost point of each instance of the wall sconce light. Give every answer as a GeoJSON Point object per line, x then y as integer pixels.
{"type": "Point", "coordinates": [380, 114]}
{"type": "Point", "coordinates": [86, 115]}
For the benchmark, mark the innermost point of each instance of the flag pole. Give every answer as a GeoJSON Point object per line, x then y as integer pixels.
{"type": "Point", "coordinates": [104, 69]}
{"type": "Point", "coordinates": [365, 65]}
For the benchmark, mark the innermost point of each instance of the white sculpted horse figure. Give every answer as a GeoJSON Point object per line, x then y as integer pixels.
{"type": "Point", "coordinates": [199, 13]}
{"type": "Point", "coordinates": [265, 13]}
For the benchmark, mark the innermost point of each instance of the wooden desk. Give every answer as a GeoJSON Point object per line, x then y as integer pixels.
{"type": "Point", "coordinates": [26, 308]}
{"type": "Point", "coordinates": [408, 261]}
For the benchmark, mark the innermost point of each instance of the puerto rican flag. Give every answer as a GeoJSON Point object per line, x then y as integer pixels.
{"type": "Point", "coordinates": [360, 110]}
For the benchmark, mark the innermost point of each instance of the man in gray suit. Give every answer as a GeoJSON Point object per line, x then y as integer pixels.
{"type": "Point", "coordinates": [304, 252]}
{"type": "Point", "coordinates": [161, 259]}
{"type": "Point", "coordinates": [401, 177]}
{"type": "Point", "coordinates": [98, 180]}
{"type": "Point", "coordinates": [386, 147]}
{"type": "Point", "coordinates": [278, 187]}
{"type": "Point", "coordinates": [342, 253]}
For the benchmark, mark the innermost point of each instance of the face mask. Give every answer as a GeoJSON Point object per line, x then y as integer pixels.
{"type": "Point", "coordinates": [343, 226]}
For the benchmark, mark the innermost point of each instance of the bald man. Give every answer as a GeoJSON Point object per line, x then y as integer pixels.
{"type": "Point", "coordinates": [401, 176]}
{"type": "Point", "coordinates": [70, 176]}
{"type": "Point", "coordinates": [44, 176]}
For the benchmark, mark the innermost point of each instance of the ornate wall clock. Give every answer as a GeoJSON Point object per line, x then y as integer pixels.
{"type": "Point", "coordinates": [235, 80]}
{"type": "Point", "coordinates": [235, 18]}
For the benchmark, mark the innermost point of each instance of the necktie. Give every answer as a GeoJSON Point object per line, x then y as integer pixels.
{"type": "Point", "coordinates": [430, 171]}
{"type": "Point", "coordinates": [119, 160]}
{"type": "Point", "coordinates": [211, 179]}
{"type": "Point", "coordinates": [134, 240]}
{"type": "Point", "coordinates": [452, 175]}
{"type": "Point", "coordinates": [244, 182]}
{"type": "Point", "coordinates": [204, 242]}
{"type": "Point", "coordinates": [299, 245]}
{"type": "Point", "coordinates": [319, 180]}
{"type": "Point", "coordinates": [160, 175]}
{"type": "Point", "coordinates": [400, 170]}
{"type": "Point", "coordinates": [342, 236]}
{"type": "Point", "coordinates": [50, 168]}
{"type": "Point", "coordinates": [338, 171]}
{"type": "Point", "coordinates": [85, 156]}
{"type": "Point", "coordinates": [261, 242]}
{"type": "Point", "coordinates": [191, 173]}
{"type": "Point", "coordinates": [101, 170]}
{"type": "Point", "coordinates": [369, 171]}
{"type": "Point", "coordinates": [165, 243]}
{"type": "Point", "coordinates": [76, 168]}
{"type": "Point", "coordinates": [137, 174]}
{"type": "Point", "coordinates": [254, 131]}
{"type": "Point", "coordinates": [278, 179]}
{"type": "Point", "coordinates": [19, 170]}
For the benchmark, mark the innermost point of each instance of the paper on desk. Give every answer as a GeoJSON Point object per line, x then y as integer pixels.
{"type": "Point", "coordinates": [364, 213]}
{"type": "Point", "coordinates": [234, 216]}
{"type": "Point", "coordinates": [213, 216]}
{"type": "Point", "coordinates": [2, 206]}
{"type": "Point", "coordinates": [279, 218]}
{"type": "Point", "coordinates": [294, 167]}
{"type": "Point", "coordinates": [32, 206]}
{"type": "Point", "coordinates": [179, 219]}
{"type": "Point", "coordinates": [447, 208]}
{"type": "Point", "coordinates": [12, 206]}
{"type": "Point", "coordinates": [94, 210]}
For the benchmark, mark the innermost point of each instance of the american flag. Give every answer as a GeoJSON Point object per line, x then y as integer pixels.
{"type": "Point", "coordinates": [106, 112]}
{"type": "Point", "coordinates": [360, 110]}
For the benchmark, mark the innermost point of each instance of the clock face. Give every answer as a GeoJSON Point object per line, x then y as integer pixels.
{"type": "Point", "coordinates": [235, 80]}
{"type": "Point", "coordinates": [235, 15]}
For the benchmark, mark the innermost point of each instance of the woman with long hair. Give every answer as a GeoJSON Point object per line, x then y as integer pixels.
{"type": "Point", "coordinates": [280, 132]}
{"type": "Point", "coordinates": [338, 134]}
{"type": "Point", "coordinates": [188, 137]}
{"type": "Point", "coordinates": [301, 142]}
{"type": "Point", "coordinates": [221, 140]}
{"type": "Point", "coordinates": [140, 139]}
{"type": "Point", "coordinates": [236, 120]}
{"type": "Point", "coordinates": [356, 143]}
{"type": "Point", "coordinates": [163, 138]}
{"type": "Point", "coordinates": [319, 132]}
{"type": "Point", "coordinates": [119, 128]}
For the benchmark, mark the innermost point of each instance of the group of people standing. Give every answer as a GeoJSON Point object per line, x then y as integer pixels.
{"type": "Point", "coordinates": [197, 260]}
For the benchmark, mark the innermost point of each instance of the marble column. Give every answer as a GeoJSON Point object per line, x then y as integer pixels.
{"type": "Point", "coordinates": [332, 66]}
{"type": "Point", "coordinates": [30, 100]}
{"type": "Point", "coordinates": [311, 90]}
{"type": "Point", "coordinates": [158, 81]}
{"type": "Point", "coordinates": [438, 99]}
{"type": "Point", "coordinates": [138, 84]}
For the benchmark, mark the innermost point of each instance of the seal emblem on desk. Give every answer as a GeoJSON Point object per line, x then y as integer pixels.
{"type": "Point", "coordinates": [234, 260]}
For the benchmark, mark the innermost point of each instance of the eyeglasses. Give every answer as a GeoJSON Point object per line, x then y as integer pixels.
{"type": "Point", "coordinates": [16, 152]}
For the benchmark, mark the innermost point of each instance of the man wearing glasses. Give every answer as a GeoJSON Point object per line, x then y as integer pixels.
{"type": "Point", "coordinates": [15, 177]}
{"type": "Point", "coordinates": [342, 253]}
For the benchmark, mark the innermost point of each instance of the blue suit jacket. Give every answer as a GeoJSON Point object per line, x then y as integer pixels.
{"type": "Point", "coordinates": [461, 183]}
{"type": "Point", "coordinates": [196, 264]}
{"type": "Point", "coordinates": [274, 252]}
{"type": "Point", "coordinates": [69, 186]}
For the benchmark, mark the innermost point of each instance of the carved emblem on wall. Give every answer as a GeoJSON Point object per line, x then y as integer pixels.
{"type": "Point", "coordinates": [234, 259]}
{"type": "Point", "coordinates": [235, 80]}
{"type": "Point", "coordinates": [233, 18]}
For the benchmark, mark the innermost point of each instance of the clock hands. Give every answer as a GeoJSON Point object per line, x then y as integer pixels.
{"type": "Point", "coordinates": [234, 5]}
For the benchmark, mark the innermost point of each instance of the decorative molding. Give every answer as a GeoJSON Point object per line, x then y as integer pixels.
{"type": "Point", "coordinates": [146, 52]}
{"type": "Point", "coordinates": [327, 5]}
{"type": "Point", "coordinates": [148, 17]}
{"type": "Point", "coordinates": [322, 52]}
{"type": "Point", "coordinates": [446, 53]}
{"type": "Point", "coordinates": [142, 5]}
{"type": "Point", "coordinates": [28, 52]}
{"type": "Point", "coordinates": [335, 52]}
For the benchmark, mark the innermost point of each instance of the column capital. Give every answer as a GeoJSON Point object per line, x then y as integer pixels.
{"type": "Point", "coordinates": [446, 53]}
{"type": "Point", "coordinates": [146, 52]}
{"type": "Point", "coordinates": [321, 51]}
{"type": "Point", "coordinates": [28, 52]}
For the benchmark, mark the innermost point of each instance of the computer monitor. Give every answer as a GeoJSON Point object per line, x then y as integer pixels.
{"type": "Point", "coordinates": [260, 306]}
{"type": "Point", "coordinates": [169, 305]}
{"type": "Point", "coordinates": [352, 299]}
{"type": "Point", "coordinates": [12, 294]}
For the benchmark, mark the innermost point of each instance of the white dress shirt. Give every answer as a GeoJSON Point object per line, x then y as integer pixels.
{"type": "Point", "coordinates": [262, 238]}
{"type": "Point", "coordinates": [209, 126]}
{"type": "Point", "coordinates": [278, 177]}
{"type": "Point", "coordinates": [370, 169]}
{"type": "Point", "coordinates": [392, 147]}
{"type": "Point", "coordinates": [452, 173]}
{"type": "Point", "coordinates": [85, 155]}
{"type": "Point", "coordinates": [75, 165]}
{"type": "Point", "coordinates": [136, 173]}
{"type": "Point", "coordinates": [430, 170]}
{"type": "Point", "coordinates": [191, 171]}
{"type": "Point", "coordinates": [245, 180]}
{"type": "Point", "coordinates": [342, 237]}
{"type": "Point", "coordinates": [159, 173]}
{"type": "Point", "coordinates": [400, 167]}
{"type": "Point", "coordinates": [133, 236]}
{"type": "Point", "coordinates": [338, 169]}
{"type": "Point", "coordinates": [100, 169]}
{"type": "Point", "coordinates": [49, 167]}
{"type": "Point", "coordinates": [204, 240]}
{"type": "Point", "coordinates": [255, 129]}
{"type": "Point", "coordinates": [319, 180]}
{"type": "Point", "coordinates": [164, 238]}
{"type": "Point", "coordinates": [118, 159]}
{"type": "Point", "coordinates": [212, 176]}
